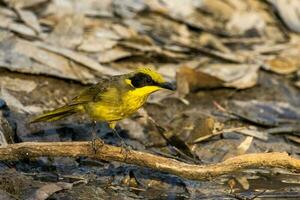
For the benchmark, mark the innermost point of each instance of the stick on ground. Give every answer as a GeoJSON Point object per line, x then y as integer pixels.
{"type": "Point", "coordinates": [112, 153]}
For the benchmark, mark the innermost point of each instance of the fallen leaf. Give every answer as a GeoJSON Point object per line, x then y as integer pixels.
{"type": "Point", "coordinates": [124, 32]}
{"type": "Point", "coordinates": [128, 8]}
{"type": "Point", "coordinates": [22, 56]}
{"type": "Point", "coordinates": [113, 55]}
{"type": "Point", "coordinates": [68, 32]}
{"type": "Point", "coordinates": [130, 180]}
{"type": "Point", "coordinates": [289, 12]}
{"type": "Point", "coordinates": [243, 181]}
{"type": "Point", "coordinates": [281, 65]}
{"type": "Point", "coordinates": [6, 131]}
{"type": "Point", "coordinates": [47, 190]}
{"type": "Point", "coordinates": [245, 145]}
{"type": "Point", "coordinates": [17, 28]}
{"type": "Point", "coordinates": [16, 105]}
{"type": "Point", "coordinates": [210, 40]}
{"type": "Point", "coordinates": [77, 57]}
{"type": "Point", "coordinates": [30, 19]}
{"type": "Point", "coordinates": [253, 132]}
{"type": "Point", "coordinates": [241, 149]}
{"type": "Point", "coordinates": [218, 8]}
{"type": "Point", "coordinates": [3, 141]}
{"type": "Point", "coordinates": [297, 84]}
{"type": "Point", "coordinates": [237, 25]}
{"type": "Point", "coordinates": [24, 3]}
{"type": "Point", "coordinates": [290, 129]}
{"type": "Point", "coordinates": [240, 76]}
{"type": "Point", "coordinates": [231, 183]}
{"type": "Point", "coordinates": [203, 128]}
{"type": "Point", "coordinates": [17, 84]}
{"type": "Point", "coordinates": [266, 113]}
{"type": "Point", "coordinates": [286, 62]}
{"type": "Point", "coordinates": [93, 44]}
{"type": "Point", "coordinates": [188, 79]}
{"type": "Point", "coordinates": [293, 138]}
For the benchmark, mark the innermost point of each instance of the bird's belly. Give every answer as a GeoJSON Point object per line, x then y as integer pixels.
{"type": "Point", "coordinates": [102, 112]}
{"type": "Point", "coordinates": [108, 113]}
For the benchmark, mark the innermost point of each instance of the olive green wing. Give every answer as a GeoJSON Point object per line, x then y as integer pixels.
{"type": "Point", "coordinates": [92, 93]}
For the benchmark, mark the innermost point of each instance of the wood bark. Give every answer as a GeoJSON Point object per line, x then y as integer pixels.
{"type": "Point", "coordinates": [28, 150]}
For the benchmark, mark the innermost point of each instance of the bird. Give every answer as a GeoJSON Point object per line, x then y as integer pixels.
{"type": "Point", "coordinates": [113, 98]}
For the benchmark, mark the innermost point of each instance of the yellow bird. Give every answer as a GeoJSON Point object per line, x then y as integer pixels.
{"type": "Point", "coordinates": [112, 99]}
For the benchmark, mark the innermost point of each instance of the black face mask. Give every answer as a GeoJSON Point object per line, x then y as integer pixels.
{"type": "Point", "coordinates": [140, 80]}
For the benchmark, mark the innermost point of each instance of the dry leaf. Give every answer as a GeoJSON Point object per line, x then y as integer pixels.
{"type": "Point", "coordinates": [128, 8]}
{"type": "Point", "coordinates": [47, 190]}
{"type": "Point", "coordinates": [266, 113]}
{"type": "Point", "coordinates": [203, 128]}
{"type": "Point", "coordinates": [253, 132]}
{"type": "Point", "coordinates": [77, 57]}
{"type": "Point", "coordinates": [289, 12]}
{"type": "Point", "coordinates": [17, 84]}
{"type": "Point", "coordinates": [30, 19]}
{"type": "Point", "coordinates": [57, 65]}
{"type": "Point", "coordinates": [190, 80]}
{"type": "Point", "coordinates": [98, 39]}
{"type": "Point", "coordinates": [240, 76]}
{"type": "Point", "coordinates": [245, 145]}
{"type": "Point", "coordinates": [3, 141]}
{"type": "Point", "coordinates": [113, 55]}
{"type": "Point", "coordinates": [297, 84]}
{"type": "Point", "coordinates": [243, 181]}
{"type": "Point", "coordinates": [241, 149]}
{"type": "Point", "coordinates": [293, 138]}
{"type": "Point", "coordinates": [68, 32]}
{"type": "Point", "coordinates": [7, 23]}
{"type": "Point", "coordinates": [286, 62]}
{"type": "Point", "coordinates": [24, 3]}
{"type": "Point", "coordinates": [16, 105]}
{"type": "Point", "coordinates": [282, 65]}
{"type": "Point", "coordinates": [219, 8]}
{"type": "Point", "coordinates": [210, 40]}
{"type": "Point", "coordinates": [124, 32]}
{"type": "Point", "coordinates": [237, 25]}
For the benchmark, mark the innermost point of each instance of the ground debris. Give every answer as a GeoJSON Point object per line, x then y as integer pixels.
{"type": "Point", "coordinates": [237, 91]}
{"type": "Point", "coordinates": [266, 113]}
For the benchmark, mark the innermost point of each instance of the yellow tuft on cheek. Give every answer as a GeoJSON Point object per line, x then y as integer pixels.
{"type": "Point", "coordinates": [128, 81]}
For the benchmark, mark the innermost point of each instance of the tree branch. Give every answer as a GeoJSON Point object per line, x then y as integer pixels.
{"type": "Point", "coordinates": [112, 153]}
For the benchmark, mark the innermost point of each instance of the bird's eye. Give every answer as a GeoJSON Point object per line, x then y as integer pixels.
{"type": "Point", "coordinates": [141, 80]}
{"type": "Point", "coordinates": [148, 79]}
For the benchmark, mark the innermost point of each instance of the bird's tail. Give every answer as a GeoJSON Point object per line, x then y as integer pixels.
{"type": "Point", "coordinates": [57, 114]}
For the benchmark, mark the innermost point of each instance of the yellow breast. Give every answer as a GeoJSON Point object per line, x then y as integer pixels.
{"type": "Point", "coordinates": [129, 102]}
{"type": "Point", "coordinates": [134, 99]}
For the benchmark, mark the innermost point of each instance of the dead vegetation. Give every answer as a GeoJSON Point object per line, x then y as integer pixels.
{"type": "Point", "coordinates": [236, 65]}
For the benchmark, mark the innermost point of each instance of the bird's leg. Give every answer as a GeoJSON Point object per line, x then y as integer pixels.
{"type": "Point", "coordinates": [112, 125]}
{"type": "Point", "coordinates": [94, 136]}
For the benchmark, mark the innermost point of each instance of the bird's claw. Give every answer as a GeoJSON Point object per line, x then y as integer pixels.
{"type": "Point", "coordinates": [95, 144]}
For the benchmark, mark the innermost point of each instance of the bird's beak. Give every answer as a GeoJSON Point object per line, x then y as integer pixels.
{"type": "Point", "coordinates": [168, 85]}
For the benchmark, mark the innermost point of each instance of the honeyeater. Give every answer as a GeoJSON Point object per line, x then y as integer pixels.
{"type": "Point", "coordinates": [113, 98]}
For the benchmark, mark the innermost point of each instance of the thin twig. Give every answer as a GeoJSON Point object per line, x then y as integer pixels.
{"type": "Point", "coordinates": [28, 150]}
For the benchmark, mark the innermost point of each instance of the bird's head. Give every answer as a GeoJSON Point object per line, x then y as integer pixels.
{"type": "Point", "coordinates": [148, 79]}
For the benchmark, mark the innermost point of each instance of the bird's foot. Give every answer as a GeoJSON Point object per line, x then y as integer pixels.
{"type": "Point", "coordinates": [96, 143]}
{"type": "Point", "coordinates": [124, 146]}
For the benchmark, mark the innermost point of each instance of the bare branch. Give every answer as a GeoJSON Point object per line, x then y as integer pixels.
{"type": "Point", "coordinates": [113, 153]}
